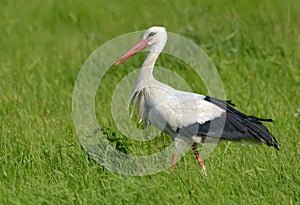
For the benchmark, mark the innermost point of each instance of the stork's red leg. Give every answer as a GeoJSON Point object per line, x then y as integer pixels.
{"type": "Point", "coordinates": [175, 157]}
{"type": "Point", "coordinates": [200, 161]}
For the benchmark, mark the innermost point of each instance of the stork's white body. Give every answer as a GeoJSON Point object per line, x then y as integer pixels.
{"type": "Point", "coordinates": [170, 109]}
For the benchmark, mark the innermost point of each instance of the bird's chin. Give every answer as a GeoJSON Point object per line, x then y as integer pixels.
{"type": "Point", "coordinates": [151, 43]}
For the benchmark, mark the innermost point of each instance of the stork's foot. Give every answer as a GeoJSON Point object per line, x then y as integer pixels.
{"type": "Point", "coordinates": [203, 171]}
{"type": "Point", "coordinates": [202, 166]}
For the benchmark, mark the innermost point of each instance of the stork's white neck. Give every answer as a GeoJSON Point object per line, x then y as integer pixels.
{"type": "Point", "coordinates": [154, 52]}
{"type": "Point", "coordinates": [145, 77]}
{"type": "Point", "coordinates": [146, 72]}
{"type": "Point", "coordinates": [150, 60]}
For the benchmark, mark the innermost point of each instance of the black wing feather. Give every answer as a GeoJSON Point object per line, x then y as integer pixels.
{"type": "Point", "coordinates": [231, 125]}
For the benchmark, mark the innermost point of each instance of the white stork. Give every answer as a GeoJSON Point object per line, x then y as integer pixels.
{"type": "Point", "coordinates": [187, 114]}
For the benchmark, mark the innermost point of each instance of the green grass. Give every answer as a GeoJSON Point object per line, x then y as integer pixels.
{"type": "Point", "coordinates": [43, 44]}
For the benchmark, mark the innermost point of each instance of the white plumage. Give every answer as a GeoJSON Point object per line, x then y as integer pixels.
{"type": "Point", "coordinates": [191, 115]}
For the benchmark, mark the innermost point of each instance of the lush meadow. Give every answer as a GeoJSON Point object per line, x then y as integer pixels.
{"type": "Point", "coordinates": [254, 45]}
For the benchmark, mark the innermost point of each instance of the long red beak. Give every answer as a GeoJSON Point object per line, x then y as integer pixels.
{"type": "Point", "coordinates": [136, 48]}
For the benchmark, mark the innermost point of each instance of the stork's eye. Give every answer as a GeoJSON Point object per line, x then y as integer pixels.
{"type": "Point", "coordinates": [151, 34]}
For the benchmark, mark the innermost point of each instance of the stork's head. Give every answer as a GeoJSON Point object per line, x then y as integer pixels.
{"type": "Point", "coordinates": [155, 37]}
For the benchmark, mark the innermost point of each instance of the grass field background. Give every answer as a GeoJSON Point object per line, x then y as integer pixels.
{"type": "Point", "coordinates": [255, 46]}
